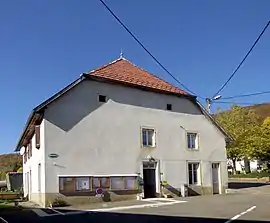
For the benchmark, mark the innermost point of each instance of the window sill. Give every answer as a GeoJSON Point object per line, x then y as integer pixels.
{"type": "Point", "coordinates": [193, 149]}
{"type": "Point", "coordinates": [194, 185]}
{"type": "Point", "coordinates": [148, 147]}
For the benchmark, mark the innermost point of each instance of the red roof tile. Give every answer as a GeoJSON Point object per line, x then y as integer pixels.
{"type": "Point", "coordinates": [125, 72]}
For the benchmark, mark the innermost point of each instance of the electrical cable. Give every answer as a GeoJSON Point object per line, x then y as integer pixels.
{"type": "Point", "coordinates": [246, 95]}
{"type": "Point", "coordinates": [232, 75]}
{"type": "Point", "coordinates": [233, 102]}
{"type": "Point", "coordinates": [146, 50]}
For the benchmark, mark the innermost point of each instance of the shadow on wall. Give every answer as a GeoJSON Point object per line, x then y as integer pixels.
{"type": "Point", "coordinates": [83, 100]}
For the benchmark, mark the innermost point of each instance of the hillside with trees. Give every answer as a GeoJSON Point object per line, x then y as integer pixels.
{"type": "Point", "coordinates": [250, 128]}
{"type": "Point", "coordinates": [9, 163]}
{"type": "Point", "coordinates": [262, 110]}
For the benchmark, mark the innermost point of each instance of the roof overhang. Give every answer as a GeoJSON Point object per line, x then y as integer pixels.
{"type": "Point", "coordinates": [227, 136]}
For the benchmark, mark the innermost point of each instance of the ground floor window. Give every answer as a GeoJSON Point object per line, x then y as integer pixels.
{"type": "Point", "coordinates": [193, 173]}
{"type": "Point", "coordinates": [82, 183]}
{"type": "Point", "coordinates": [101, 182]}
{"type": "Point", "coordinates": [91, 183]}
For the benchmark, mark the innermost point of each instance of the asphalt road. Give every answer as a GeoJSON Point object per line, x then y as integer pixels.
{"type": "Point", "coordinates": [250, 204]}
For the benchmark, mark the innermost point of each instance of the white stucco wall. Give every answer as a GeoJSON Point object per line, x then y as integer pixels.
{"type": "Point", "coordinates": [104, 138]}
{"type": "Point", "coordinates": [32, 166]}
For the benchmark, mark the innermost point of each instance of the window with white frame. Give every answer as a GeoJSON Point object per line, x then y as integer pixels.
{"type": "Point", "coordinates": [148, 137]}
{"type": "Point", "coordinates": [192, 140]}
{"type": "Point", "coordinates": [193, 173]}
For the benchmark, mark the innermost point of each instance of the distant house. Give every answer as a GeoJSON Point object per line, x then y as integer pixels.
{"type": "Point", "coordinates": [255, 166]}
{"type": "Point", "coordinates": [114, 127]}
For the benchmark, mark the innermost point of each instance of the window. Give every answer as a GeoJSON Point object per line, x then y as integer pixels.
{"type": "Point", "coordinates": [124, 183]}
{"type": "Point", "coordinates": [25, 155]}
{"type": "Point", "coordinates": [148, 137]}
{"type": "Point", "coordinates": [61, 183]}
{"type": "Point", "coordinates": [101, 182]}
{"type": "Point", "coordinates": [193, 173]}
{"type": "Point", "coordinates": [30, 148]}
{"type": "Point", "coordinates": [82, 183]}
{"type": "Point", "coordinates": [117, 183]}
{"type": "Point", "coordinates": [169, 107]}
{"type": "Point", "coordinates": [39, 177]}
{"type": "Point", "coordinates": [102, 98]}
{"type": "Point", "coordinates": [67, 184]}
{"type": "Point", "coordinates": [37, 136]}
{"type": "Point", "coordinates": [28, 151]}
{"type": "Point", "coordinates": [131, 183]}
{"type": "Point", "coordinates": [192, 140]}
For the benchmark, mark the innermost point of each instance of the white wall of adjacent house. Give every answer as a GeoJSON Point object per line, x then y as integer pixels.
{"type": "Point", "coordinates": [96, 138]}
{"type": "Point", "coordinates": [240, 165]}
{"type": "Point", "coordinates": [34, 171]}
{"type": "Point", "coordinates": [255, 165]}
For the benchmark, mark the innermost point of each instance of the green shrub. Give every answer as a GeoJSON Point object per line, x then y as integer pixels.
{"type": "Point", "coordinates": [59, 202]}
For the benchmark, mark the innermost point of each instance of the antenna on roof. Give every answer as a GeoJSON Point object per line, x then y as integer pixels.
{"type": "Point", "coordinates": [121, 54]}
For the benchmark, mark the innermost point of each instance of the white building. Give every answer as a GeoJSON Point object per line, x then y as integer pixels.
{"type": "Point", "coordinates": [116, 125]}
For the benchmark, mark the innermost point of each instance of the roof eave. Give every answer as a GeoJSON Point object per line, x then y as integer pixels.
{"type": "Point", "coordinates": [228, 138]}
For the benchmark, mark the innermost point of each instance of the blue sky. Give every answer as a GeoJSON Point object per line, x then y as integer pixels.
{"type": "Point", "coordinates": [44, 45]}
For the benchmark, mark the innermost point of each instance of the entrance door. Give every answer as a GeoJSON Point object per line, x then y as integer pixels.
{"type": "Point", "coordinates": [39, 182]}
{"type": "Point", "coordinates": [27, 183]}
{"type": "Point", "coordinates": [215, 178]}
{"type": "Point", "coordinates": [30, 185]}
{"type": "Point", "coordinates": [149, 179]}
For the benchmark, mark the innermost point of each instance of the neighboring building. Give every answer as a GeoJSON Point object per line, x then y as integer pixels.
{"type": "Point", "coordinates": [113, 126]}
{"type": "Point", "coordinates": [255, 166]}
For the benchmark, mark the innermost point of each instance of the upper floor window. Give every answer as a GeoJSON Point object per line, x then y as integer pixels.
{"type": "Point", "coordinates": [192, 140]}
{"type": "Point", "coordinates": [102, 98]}
{"type": "Point", "coordinates": [25, 155]}
{"type": "Point", "coordinates": [30, 149]}
{"type": "Point", "coordinates": [148, 137]}
{"type": "Point", "coordinates": [37, 136]}
{"type": "Point", "coordinates": [169, 107]}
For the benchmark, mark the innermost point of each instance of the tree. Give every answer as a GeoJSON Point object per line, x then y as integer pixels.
{"type": "Point", "coordinates": [20, 170]}
{"type": "Point", "coordinates": [260, 141]}
{"type": "Point", "coordinates": [241, 124]}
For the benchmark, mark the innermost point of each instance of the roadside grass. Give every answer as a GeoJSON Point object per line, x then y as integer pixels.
{"type": "Point", "coordinates": [250, 175]}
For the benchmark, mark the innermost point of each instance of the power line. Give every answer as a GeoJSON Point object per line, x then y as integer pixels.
{"type": "Point", "coordinates": [233, 102]}
{"type": "Point", "coordinates": [247, 95]}
{"type": "Point", "coordinates": [145, 49]}
{"type": "Point", "coordinates": [254, 44]}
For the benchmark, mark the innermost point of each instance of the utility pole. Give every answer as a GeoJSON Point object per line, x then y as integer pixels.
{"type": "Point", "coordinates": [209, 102]}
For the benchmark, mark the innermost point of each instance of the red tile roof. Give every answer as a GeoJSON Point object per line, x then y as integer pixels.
{"type": "Point", "coordinates": [125, 72]}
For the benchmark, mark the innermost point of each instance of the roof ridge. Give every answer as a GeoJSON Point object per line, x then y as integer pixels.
{"type": "Point", "coordinates": [106, 65]}
{"type": "Point", "coordinates": [148, 79]}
